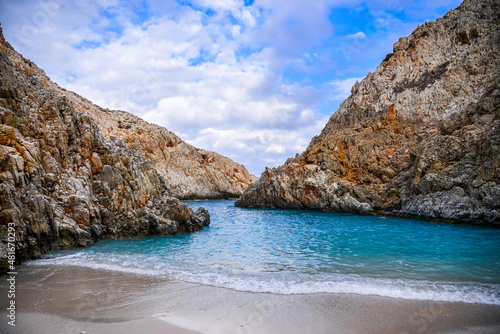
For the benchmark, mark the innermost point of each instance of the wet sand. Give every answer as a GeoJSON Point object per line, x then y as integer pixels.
{"type": "Point", "coordinates": [59, 299]}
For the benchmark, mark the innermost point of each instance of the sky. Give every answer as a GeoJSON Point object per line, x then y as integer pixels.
{"type": "Point", "coordinates": [253, 80]}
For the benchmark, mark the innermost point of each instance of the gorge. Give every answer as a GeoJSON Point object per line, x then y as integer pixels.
{"type": "Point", "coordinates": [111, 224]}
{"type": "Point", "coordinates": [72, 173]}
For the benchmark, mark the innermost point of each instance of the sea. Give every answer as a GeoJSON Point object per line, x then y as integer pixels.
{"type": "Point", "coordinates": [305, 252]}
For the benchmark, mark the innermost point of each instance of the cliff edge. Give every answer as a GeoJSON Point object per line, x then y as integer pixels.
{"type": "Point", "coordinates": [420, 136]}
{"type": "Point", "coordinates": [190, 173]}
{"type": "Point", "coordinates": [62, 183]}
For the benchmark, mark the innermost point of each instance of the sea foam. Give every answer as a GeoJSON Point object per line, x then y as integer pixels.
{"type": "Point", "coordinates": [290, 282]}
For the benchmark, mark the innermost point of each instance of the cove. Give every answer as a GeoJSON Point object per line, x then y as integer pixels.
{"type": "Point", "coordinates": [299, 251]}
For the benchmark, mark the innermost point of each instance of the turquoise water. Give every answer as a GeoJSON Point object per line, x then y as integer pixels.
{"type": "Point", "coordinates": [295, 251]}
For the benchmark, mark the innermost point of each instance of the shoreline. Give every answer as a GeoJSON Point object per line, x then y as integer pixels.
{"type": "Point", "coordinates": [375, 213]}
{"type": "Point", "coordinates": [207, 199]}
{"type": "Point", "coordinates": [51, 299]}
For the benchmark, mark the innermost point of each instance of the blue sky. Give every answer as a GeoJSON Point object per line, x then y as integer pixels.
{"type": "Point", "coordinates": [252, 80]}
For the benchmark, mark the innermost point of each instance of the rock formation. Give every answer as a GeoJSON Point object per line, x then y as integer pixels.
{"type": "Point", "coordinates": [62, 183]}
{"type": "Point", "coordinates": [190, 172]}
{"type": "Point", "coordinates": [420, 136]}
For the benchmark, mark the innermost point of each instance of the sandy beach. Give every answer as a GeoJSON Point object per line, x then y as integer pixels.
{"type": "Point", "coordinates": [82, 300]}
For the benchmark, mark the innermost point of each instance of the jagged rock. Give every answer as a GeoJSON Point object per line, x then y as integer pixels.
{"type": "Point", "coordinates": [191, 173]}
{"type": "Point", "coordinates": [201, 217]}
{"type": "Point", "coordinates": [62, 183]}
{"type": "Point", "coordinates": [420, 136]}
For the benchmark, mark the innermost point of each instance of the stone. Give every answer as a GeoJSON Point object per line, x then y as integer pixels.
{"type": "Point", "coordinates": [190, 173]}
{"type": "Point", "coordinates": [419, 137]}
{"type": "Point", "coordinates": [201, 217]}
{"type": "Point", "coordinates": [62, 183]}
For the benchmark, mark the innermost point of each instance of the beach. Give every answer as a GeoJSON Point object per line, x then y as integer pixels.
{"type": "Point", "coordinates": [72, 299]}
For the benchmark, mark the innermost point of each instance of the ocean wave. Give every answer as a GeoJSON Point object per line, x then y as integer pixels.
{"type": "Point", "coordinates": [287, 282]}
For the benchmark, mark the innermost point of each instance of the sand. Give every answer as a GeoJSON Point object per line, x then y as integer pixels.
{"type": "Point", "coordinates": [36, 323]}
{"type": "Point", "coordinates": [71, 299]}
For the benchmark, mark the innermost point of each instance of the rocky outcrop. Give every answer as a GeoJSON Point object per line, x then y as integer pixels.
{"type": "Point", "coordinates": [190, 172]}
{"type": "Point", "coordinates": [62, 183]}
{"type": "Point", "coordinates": [420, 136]}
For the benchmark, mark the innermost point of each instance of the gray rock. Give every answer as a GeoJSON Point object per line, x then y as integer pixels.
{"type": "Point", "coordinates": [201, 217]}
{"type": "Point", "coordinates": [419, 136]}
{"type": "Point", "coordinates": [62, 183]}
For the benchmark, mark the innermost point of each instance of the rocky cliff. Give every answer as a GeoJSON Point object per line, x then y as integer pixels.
{"type": "Point", "coordinates": [420, 136]}
{"type": "Point", "coordinates": [191, 173]}
{"type": "Point", "coordinates": [62, 183]}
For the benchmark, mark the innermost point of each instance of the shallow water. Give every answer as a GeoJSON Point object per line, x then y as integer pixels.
{"type": "Point", "coordinates": [295, 251]}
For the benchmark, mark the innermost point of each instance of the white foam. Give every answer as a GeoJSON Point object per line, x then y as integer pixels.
{"type": "Point", "coordinates": [289, 282]}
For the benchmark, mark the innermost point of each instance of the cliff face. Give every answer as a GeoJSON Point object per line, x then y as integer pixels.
{"type": "Point", "coordinates": [419, 136]}
{"type": "Point", "coordinates": [191, 173]}
{"type": "Point", "coordinates": [62, 184]}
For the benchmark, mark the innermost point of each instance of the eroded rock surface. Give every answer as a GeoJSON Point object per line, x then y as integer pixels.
{"type": "Point", "coordinates": [62, 183]}
{"type": "Point", "coordinates": [190, 172]}
{"type": "Point", "coordinates": [419, 136]}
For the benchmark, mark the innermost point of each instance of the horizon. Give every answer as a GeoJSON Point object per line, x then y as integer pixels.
{"type": "Point", "coordinates": [251, 80]}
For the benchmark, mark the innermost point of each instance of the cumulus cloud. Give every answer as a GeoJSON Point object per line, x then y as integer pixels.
{"type": "Point", "coordinates": [256, 148]}
{"type": "Point", "coordinates": [226, 75]}
{"type": "Point", "coordinates": [225, 5]}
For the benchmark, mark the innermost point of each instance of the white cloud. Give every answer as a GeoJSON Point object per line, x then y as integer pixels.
{"type": "Point", "coordinates": [249, 18]}
{"type": "Point", "coordinates": [358, 35]}
{"type": "Point", "coordinates": [341, 89]}
{"type": "Point", "coordinates": [293, 26]}
{"type": "Point", "coordinates": [275, 149]}
{"type": "Point", "coordinates": [181, 71]}
{"type": "Point", "coordinates": [230, 5]}
{"type": "Point", "coordinates": [256, 148]}
{"type": "Point", "coordinates": [216, 77]}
